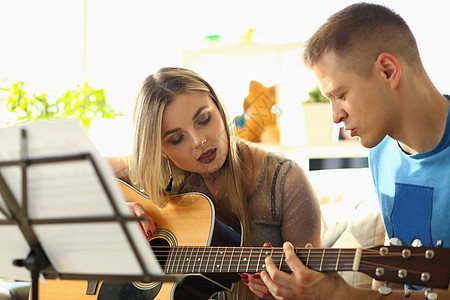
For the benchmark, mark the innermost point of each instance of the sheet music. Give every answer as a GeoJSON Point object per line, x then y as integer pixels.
{"type": "Point", "coordinates": [69, 189]}
{"type": "Point", "coordinates": [14, 246]}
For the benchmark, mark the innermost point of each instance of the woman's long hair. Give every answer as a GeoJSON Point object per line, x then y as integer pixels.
{"type": "Point", "coordinates": [149, 170]}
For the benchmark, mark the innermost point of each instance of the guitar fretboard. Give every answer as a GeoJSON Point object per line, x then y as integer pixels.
{"type": "Point", "coordinates": [192, 259]}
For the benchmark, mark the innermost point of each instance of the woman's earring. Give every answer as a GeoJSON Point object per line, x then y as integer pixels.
{"type": "Point", "coordinates": [169, 185]}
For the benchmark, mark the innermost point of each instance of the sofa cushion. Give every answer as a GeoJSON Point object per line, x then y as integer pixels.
{"type": "Point", "coordinates": [14, 290]}
{"type": "Point", "coordinates": [350, 213]}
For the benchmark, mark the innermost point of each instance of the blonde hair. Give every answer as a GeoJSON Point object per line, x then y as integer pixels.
{"type": "Point", "coordinates": [150, 171]}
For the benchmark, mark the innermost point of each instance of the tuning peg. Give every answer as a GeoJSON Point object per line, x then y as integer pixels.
{"type": "Point", "coordinates": [408, 290]}
{"type": "Point", "coordinates": [395, 241]}
{"type": "Point", "coordinates": [417, 243]}
{"type": "Point", "coordinates": [385, 289]}
{"type": "Point", "coordinates": [430, 294]}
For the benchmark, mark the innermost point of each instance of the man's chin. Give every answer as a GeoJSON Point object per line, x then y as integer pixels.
{"type": "Point", "coordinates": [364, 142]}
{"type": "Point", "coordinates": [367, 143]}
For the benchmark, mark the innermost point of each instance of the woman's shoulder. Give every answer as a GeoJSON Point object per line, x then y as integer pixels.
{"type": "Point", "coordinates": [260, 156]}
{"type": "Point", "coordinates": [252, 154]}
{"type": "Point", "coordinates": [264, 161]}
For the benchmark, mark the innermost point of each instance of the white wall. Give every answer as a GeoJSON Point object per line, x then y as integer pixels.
{"type": "Point", "coordinates": [43, 41]}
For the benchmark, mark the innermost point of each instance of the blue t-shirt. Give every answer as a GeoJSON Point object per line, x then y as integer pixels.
{"type": "Point", "coordinates": [414, 190]}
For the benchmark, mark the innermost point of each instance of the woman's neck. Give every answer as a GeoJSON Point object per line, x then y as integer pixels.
{"type": "Point", "coordinates": [211, 181]}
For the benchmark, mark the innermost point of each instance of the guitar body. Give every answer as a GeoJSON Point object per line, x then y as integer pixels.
{"type": "Point", "coordinates": [203, 244]}
{"type": "Point", "coordinates": [187, 220]}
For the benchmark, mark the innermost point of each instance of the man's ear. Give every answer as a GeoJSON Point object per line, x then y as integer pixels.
{"type": "Point", "coordinates": [390, 66]}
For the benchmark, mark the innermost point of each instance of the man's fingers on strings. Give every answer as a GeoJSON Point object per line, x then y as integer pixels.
{"type": "Point", "coordinates": [292, 259]}
{"type": "Point", "coordinates": [274, 272]}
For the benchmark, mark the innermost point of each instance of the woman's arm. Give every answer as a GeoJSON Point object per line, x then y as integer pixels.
{"type": "Point", "coordinates": [120, 166]}
{"type": "Point", "coordinates": [301, 219]}
{"type": "Point", "coordinates": [300, 214]}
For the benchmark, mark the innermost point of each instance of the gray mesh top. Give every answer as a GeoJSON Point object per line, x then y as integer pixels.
{"type": "Point", "coordinates": [283, 207]}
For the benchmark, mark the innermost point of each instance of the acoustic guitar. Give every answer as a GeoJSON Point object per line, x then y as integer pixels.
{"type": "Point", "coordinates": [203, 245]}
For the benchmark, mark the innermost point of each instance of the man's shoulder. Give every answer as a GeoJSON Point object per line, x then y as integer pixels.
{"type": "Point", "coordinates": [385, 146]}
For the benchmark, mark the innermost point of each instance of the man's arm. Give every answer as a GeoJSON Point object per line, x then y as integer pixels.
{"type": "Point", "coordinates": [304, 283]}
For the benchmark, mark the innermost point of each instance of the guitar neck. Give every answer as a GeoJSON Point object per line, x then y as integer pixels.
{"type": "Point", "coordinates": [401, 264]}
{"type": "Point", "coordinates": [251, 259]}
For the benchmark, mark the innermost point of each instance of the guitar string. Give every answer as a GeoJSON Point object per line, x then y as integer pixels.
{"type": "Point", "coordinates": [363, 266]}
{"type": "Point", "coordinates": [345, 256]}
{"type": "Point", "coordinates": [186, 258]}
{"type": "Point", "coordinates": [226, 251]}
{"type": "Point", "coordinates": [315, 252]}
{"type": "Point", "coordinates": [239, 268]}
{"type": "Point", "coordinates": [370, 265]}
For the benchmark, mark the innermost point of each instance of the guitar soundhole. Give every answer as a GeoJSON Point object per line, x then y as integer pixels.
{"type": "Point", "coordinates": [126, 291]}
{"type": "Point", "coordinates": [160, 248]}
{"type": "Point", "coordinates": [137, 290]}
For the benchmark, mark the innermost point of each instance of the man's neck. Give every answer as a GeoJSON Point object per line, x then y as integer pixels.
{"type": "Point", "coordinates": [425, 126]}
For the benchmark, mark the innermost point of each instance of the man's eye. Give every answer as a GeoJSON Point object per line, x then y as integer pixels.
{"type": "Point", "coordinates": [340, 97]}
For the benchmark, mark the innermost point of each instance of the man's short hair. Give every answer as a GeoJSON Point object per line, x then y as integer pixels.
{"type": "Point", "coordinates": [358, 34]}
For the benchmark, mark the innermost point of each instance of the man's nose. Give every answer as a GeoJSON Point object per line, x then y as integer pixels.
{"type": "Point", "coordinates": [338, 113]}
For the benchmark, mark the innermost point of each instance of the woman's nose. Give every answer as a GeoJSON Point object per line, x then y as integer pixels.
{"type": "Point", "coordinates": [198, 140]}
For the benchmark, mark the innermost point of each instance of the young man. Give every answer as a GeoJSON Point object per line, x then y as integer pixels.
{"type": "Point", "coordinates": [367, 63]}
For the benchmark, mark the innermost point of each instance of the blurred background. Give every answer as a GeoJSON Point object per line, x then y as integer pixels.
{"type": "Point", "coordinates": [53, 46]}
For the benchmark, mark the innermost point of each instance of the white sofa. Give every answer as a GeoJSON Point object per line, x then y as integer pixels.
{"type": "Point", "coordinates": [350, 213]}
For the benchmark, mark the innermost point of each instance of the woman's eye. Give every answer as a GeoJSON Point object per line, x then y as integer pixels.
{"type": "Point", "coordinates": [204, 119]}
{"type": "Point", "coordinates": [176, 139]}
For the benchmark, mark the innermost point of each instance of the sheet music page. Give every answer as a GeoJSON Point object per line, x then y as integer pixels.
{"type": "Point", "coordinates": [70, 189]}
{"type": "Point", "coordinates": [14, 246]}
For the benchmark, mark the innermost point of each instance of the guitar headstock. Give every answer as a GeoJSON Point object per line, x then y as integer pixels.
{"type": "Point", "coordinates": [421, 266]}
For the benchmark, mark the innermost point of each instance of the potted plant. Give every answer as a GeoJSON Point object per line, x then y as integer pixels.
{"type": "Point", "coordinates": [83, 103]}
{"type": "Point", "coordinates": [319, 125]}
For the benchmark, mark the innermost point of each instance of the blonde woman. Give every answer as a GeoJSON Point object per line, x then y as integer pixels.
{"type": "Point", "coordinates": [182, 139]}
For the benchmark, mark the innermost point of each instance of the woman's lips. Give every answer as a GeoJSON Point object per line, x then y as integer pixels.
{"type": "Point", "coordinates": [207, 156]}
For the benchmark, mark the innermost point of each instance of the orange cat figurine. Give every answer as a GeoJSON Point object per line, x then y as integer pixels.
{"type": "Point", "coordinates": [259, 121]}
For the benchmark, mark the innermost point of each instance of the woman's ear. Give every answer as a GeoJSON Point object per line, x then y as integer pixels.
{"type": "Point", "coordinates": [164, 155]}
{"type": "Point", "coordinates": [390, 66]}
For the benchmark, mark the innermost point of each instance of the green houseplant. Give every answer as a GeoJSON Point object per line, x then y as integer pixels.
{"type": "Point", "coordinates": [82, 103]}
{"type": "Point", "coordinates": [319, 127]}
{"type": "Point", "coordinates": [315, 96]}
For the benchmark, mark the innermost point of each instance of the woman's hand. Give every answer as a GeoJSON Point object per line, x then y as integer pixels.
{"type": "Point", "coordinates": [255, 283]}
{"type": "Point", "coordinates": [147, 222]}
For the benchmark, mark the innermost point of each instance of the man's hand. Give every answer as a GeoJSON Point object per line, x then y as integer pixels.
{"type": "Point", "coordinates": [302, 283]}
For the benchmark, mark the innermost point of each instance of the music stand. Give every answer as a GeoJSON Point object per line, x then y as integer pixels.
{"type": "Point", "coordinates": [54, 256]}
